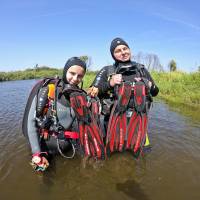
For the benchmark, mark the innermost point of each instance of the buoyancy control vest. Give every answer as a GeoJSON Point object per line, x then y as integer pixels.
{"type": "Point", "coordinates": [53, 112]}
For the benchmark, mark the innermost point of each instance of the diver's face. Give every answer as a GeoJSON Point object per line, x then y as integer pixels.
{"type": "Point", "coordinates": [75, 74]}
{"type": "Point", "coordinates": [122, 53]}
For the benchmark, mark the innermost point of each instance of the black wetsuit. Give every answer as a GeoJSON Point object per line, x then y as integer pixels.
{"type": "Point", "coordinates": [65, 120]}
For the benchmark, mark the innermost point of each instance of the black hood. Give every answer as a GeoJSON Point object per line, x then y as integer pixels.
{"type": "Point", "coordinates": [72, 61]}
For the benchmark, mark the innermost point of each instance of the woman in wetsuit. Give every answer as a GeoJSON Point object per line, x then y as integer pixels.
{"type": "Point", "coordinates": [49, 123]}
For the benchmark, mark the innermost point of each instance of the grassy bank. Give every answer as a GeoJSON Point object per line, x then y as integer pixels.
{"type": "Point", "coordinates": [30, 74]}
{"type": "Point", "coordinates": [179, 87]}
{"type": "Point", "coordinates": [175, 87]}
{"type": "Point", "coordinates": [41, 73]}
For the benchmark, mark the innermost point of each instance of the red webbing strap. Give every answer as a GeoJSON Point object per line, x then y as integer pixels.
{"type": "Point", "coordinates": [71, 134]}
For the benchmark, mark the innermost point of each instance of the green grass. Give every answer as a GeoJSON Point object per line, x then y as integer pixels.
{"type": "Point", "coordinates": [179, 87]}
{"type": "Point", "coordinates": [88, 79]}
{"type": "Point", "coordinates": [29, 74]}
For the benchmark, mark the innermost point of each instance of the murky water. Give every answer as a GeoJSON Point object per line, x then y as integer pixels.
{"type": "Point", "coordinates": [169, 171]}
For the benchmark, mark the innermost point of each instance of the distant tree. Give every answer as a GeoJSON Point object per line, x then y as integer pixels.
{"type": "Point", "coordinates": [139, 57]}
{"type": "Point", "coordinates": [44, 68]}
{"type": "Point", "coordinates": [150, 60]}
{"type": "Point", "coordinates": [198, 68]}
{"type": "Point", "coordinates": [87, 59]}
{"type": "Point", "coordinates": [172, 65]}
{"type": "Point", "coordinates": [84, 58]}
{"type": "Point", "coordinates": [36, 67]}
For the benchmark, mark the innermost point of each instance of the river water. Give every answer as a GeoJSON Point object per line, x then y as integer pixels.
{"type": "Point", "coordinates": [170, 171]}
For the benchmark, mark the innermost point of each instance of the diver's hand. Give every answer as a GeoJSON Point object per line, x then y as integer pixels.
{"type": "Point", "coordinates": [137, 79]}
{"type": "Point", "coordinates": [149, 83]}
{"type": "Point", "coordinates": [115, 79]}
{"type": "Point", "coordinates": [93, 91]}
{"type": "Point", "coordinates": [39, 162]}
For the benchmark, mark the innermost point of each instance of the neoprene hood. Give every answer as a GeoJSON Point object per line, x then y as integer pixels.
{"type": "Point", "coordinates": [116, 42]}
{"type": "Point", "coordinates": [72, 61]}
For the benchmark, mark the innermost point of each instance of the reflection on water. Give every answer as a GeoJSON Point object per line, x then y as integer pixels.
{"type": "Point", "coordinates": [186, 110]}
{"type": "Point", "coordinates": [169, 171]}
{"type": "Point", "coordinates": [132, 189]}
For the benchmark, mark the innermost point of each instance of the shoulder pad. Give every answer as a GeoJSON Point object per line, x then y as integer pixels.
{"type": "Point", "coordinates": [140, 66]}
{"type": "Point", "coordinates": [110, 69]}
{"type": "Point", "coordinates": [50, 80]}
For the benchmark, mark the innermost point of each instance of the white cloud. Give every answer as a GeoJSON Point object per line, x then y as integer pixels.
{"type": "Point", "coordinates": [179, 21]}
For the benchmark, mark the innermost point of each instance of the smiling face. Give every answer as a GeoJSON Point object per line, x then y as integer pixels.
{"type": "Point", "coordinates": [75, 74]}
{"type": "Point", "coordinates": [122, 53]}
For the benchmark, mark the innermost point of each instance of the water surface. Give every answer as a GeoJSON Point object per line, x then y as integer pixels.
{"type": "Point", "coordinates": [169, 171]}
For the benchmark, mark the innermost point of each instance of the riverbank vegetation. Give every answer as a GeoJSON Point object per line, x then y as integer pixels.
{"type": "Point", "coordinates": [35, 73]}
{"type": "Point", "coordinates": [179, 87]}
{"type": "Point", "coordinates": [175, 86]}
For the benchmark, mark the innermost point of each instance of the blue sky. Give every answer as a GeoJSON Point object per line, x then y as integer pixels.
{"type": "Point", "coordinates": [48, 32]}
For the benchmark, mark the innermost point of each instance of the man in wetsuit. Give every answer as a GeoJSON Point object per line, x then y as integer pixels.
{"type": "Point", "coordinates": [123, 69]}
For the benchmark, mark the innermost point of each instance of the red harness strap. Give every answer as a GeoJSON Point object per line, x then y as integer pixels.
{"type": "Point", "coordinates": [71, 134]}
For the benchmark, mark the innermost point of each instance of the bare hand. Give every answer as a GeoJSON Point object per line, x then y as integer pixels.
{"type": "Point", "coordinates": [42, 165]}
{"type": "Point", "coordinates": [137, 79]}
{"type": "Point", "coordinates": [45, 162]}
{"type": "Point", "coordinates": [115, 79]}
{"type": "Point", "coordinates": [93, 91]}
{"type": "Point", "coordinates": [149, 84]}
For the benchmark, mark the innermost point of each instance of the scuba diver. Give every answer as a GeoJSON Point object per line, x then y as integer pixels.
{"type": "Point", "coordinates": [58, 118]}
{"type": "Point", "coordinates": [125, 89]}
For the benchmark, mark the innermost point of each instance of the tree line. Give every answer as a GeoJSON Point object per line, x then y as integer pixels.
{"type": "Point", "coordinates": [150, 60]}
